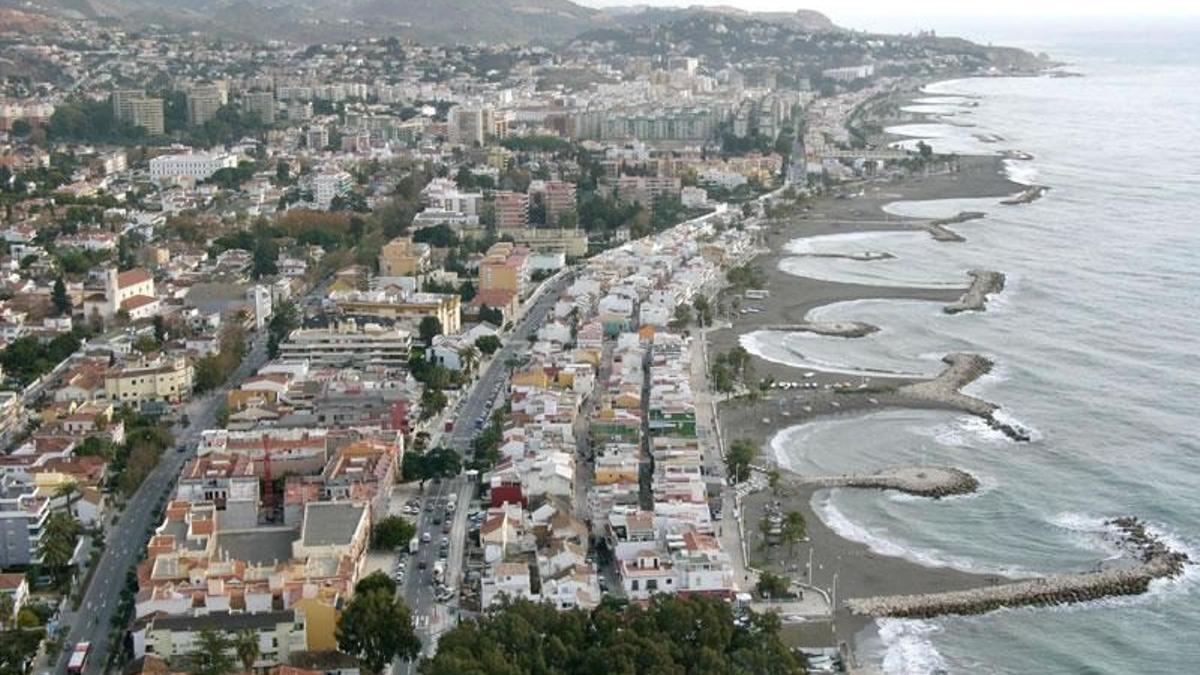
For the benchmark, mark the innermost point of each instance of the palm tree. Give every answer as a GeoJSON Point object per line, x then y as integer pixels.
{"type": "Point", "coordinates": [773, 477]}
{"type": "Point", "coordinates": [794, 529]}
{"type": "Point", "coordinates": [7, 607]}
{"type": "Point", "coordinates": [469, 357]}
{"type": "Point", "coordinates": [245, 643]}
{"type": "Point", "coordinates": [69, 493]}
{"type": "Point", "coordinates": [59, 536]}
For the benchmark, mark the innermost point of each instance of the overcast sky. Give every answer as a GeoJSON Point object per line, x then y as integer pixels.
{"type": "Point", "coordinates": [978, 18]}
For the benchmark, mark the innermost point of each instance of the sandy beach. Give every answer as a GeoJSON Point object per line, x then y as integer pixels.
{"type": "Point", "coordinates": [859, 571]}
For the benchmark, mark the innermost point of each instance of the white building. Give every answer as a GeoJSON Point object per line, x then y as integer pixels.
{"type": "Point", "coordinates": [195, 165]}
{"type": "Point", "coordinates": [328, 185]}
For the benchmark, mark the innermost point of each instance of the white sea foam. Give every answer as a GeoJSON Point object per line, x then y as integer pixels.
{"type": "Point", "coordinates": [848, 529]}
{"type": "Point", "coordinates": [767, 345]}
{"type": "Point", "coordinates": [1004, 417]}
{"type": "Point", "coordinates": [1020, 171]}
{"type": "Point", "coordinates": [964, 432]}
{"type": "Point", "coordinates": [908, 648]}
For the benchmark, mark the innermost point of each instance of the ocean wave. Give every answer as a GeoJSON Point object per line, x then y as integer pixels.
{"type": "Point", "coordinates": [965, 432]}
{"type": "Point", "coordinates": [835, 520]}
{"type": "Point", "coordinates": [1097, 535]}
{"type": "Point", "coordinates": [759, 343]}
{"type": "Point", "coordinates": [908, 648]}
{"type": "Point", "coordinates": [1008, 419]}
{"type": "Point", "coordinates": [1022, 172]}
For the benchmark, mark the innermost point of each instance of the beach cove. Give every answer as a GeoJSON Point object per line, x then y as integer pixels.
{"type": "Point", "coordinates": [866, 564]}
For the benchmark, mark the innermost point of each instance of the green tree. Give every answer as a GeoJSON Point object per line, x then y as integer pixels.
{"type": "Point", "coordinates": [62, 302]}
{"type": "Point", "coordinates": [59, 536]}
{"type": "Point", "coordinates": [703, 311]}
{"type": "Point", "coordinates": [433, 402]}
{"type": "Point", "coordinates": [492, 315]}
{"type": "Point", "coordinates": [160, 328]}
{"type": "Point", "coordinates": [738, 458]}
{"type": "Point", "coordinates": [7, 608]}
{"type": "Point", "coordinates": [436, 463]}
{"type": "Point", "coordinates": [212, 655]}
{"type": "Point", "coordinates": [391, 532]}
{"type": "Point", "coordinates": [245, 645]}
{"type": "Point", "coordinates": [773, 586]}
{"type": "Point", "coordinates": [682, 317]}
{"type": "Point", "coordinates": [722, 378]}
{"type": "Point", "coordinates": [773, 479]}
{"type": "Point", "coordinates": [377, 628]}
{"type": "Point", "coordinates": [794, 530]}
{"type": "Point", "coordinates": [283, 321]}
{"type": "Point", "coordinates": [375, 581]}
{"type": "Point", "coordinates": [429, 328]}
{"type": "Point", "coordinates": [670, 635]}
{"type": "Point", "coordinates": [488, 344]}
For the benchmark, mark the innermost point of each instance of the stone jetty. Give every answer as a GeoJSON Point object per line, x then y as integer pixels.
{"type": "Point", "coordinates": [943, 233]}
{"type": "Point", "coordinates": [846, 329]}
{"type": "Point", "coordinates": [865, 256]}
{"type": "Point", "coordinates": [923, 481]}
{"type": "Point", "coordinates": [943, 390]}
{"type": "Point", "coordinates": [1019, 155]}
{"type": "Point", "coordinates": [939, 231]}
{"type": "Point", "coordinates": [1029, 194]}
{"type": "Point", "coordinates": [1151, 559]}
{"type": "Point", "coordinates": [983, 284]}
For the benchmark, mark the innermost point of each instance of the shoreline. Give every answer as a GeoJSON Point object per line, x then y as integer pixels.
{"type": "Point", "coordinates": [852, 567]}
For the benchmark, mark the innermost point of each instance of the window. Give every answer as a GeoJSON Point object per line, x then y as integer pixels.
{"type": "Point", "coordinates": [633, 586]}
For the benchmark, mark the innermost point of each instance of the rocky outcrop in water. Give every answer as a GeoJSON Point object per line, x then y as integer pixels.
{"type": "Point", "coordinates": [983, 284]}
{"type": "Point", "coordinates": [1029, 194]}
{"type": "Point", "coordinates": [846, 329]}
{"type": "Point", "coordinates": [1152, 559]}
{"type": "Point", "coordinates": [943, 390]}
{"type": "Point", "coordinates": [923, 481]}
{"type": "Point", "coordinates": [939, 231]}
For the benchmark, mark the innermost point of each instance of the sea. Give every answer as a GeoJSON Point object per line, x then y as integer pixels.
{"type": "Point", "coordinates": [1095, 340]}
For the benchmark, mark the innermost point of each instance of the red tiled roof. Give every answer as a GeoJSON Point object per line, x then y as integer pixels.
{"type": "Point", "coordinates": [136, 275]}
{"type": "Point", "coordinates": [493, 297]}
{"type": "Point", "coordinates": [137, 302]}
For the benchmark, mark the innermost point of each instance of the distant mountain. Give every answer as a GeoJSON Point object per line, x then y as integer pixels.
{"type": "Point", "coordinates": [805, 20]}
{"type": "Point", "coordinates": [429, 21]}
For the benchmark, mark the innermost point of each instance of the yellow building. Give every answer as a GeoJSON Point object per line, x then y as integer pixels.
{"type": "Point", "coordinates": [400, 257]}
{"type": "Point", "coordinates": [505, 267]}
{"type": "Point", "coordinates": [445, 307]}
{"type": "Point", "coordinates": [156, 380]}
{"type": "Point", "coordinates": [531, 378]}
{"type": "Point", "coordinates": [498, 157]}
{"type": "Point", "coordinates": [320, 624]}
{"type": "Point", "coordinates": [616, 471]}
{"type": "Point", "coordinates": [571, 241]}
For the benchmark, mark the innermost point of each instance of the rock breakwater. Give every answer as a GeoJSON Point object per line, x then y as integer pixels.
{"type": "Point", "coordinates": [923, 481]}
{"type": "Point", "coordinates": [1152, 560]}
{"type": "Point", "coordinates": [940, 232]}
{"type": "Point", "coordinates": [983, 284]}
{"type": "Point", "coordinates": [943, 390]}
{"type": "Point", "coordinates": [846, 329]}
{"type": "Point", "coordinates": [1029, 194]}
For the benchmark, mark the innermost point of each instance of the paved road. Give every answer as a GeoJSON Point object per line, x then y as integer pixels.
{"type": "Point", "coordinates": [126, 540]}
{"type": "Point", "coordinates": [478, 403]}
{"type": "Point", "coordinates": [431, 617]}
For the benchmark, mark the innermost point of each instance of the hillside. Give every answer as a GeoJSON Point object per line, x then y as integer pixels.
{"type": "Point", "coordinates": [429, 21]}
{"type": "Point", "coordinates": [806, 20]}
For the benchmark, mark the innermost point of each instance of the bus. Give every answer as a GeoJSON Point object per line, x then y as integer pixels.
{"type": "Point", "coordinates": [79, 657]}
